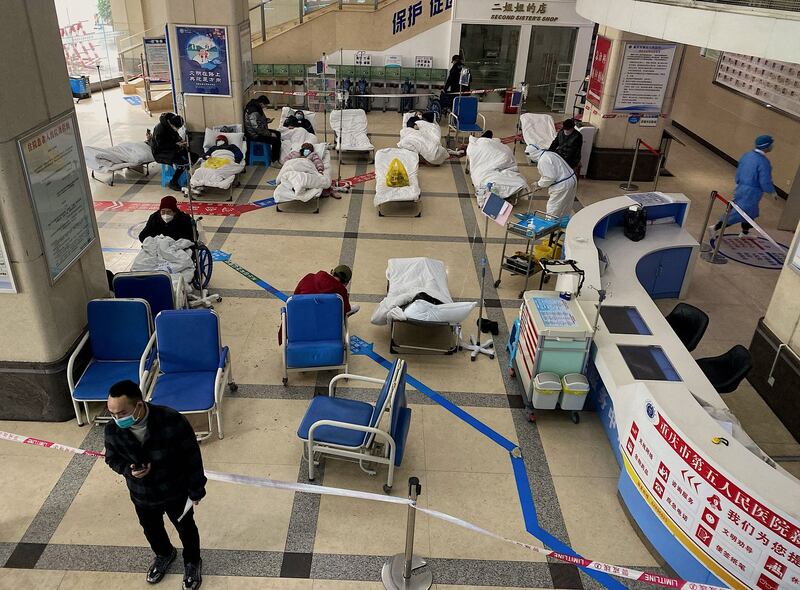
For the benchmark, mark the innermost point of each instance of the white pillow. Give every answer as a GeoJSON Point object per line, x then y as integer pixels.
{"type": "Point", "coordinates": [210, 137]}
{"type": "Point", "coordinates": [287, 111]}
{"type": "Point", "coordinates": [319, 149]}
{"type": "Point", "coordinates": [452, 313]}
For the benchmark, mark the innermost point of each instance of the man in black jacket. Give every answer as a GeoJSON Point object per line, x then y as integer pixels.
{"type": "Point", "coordinates": [169, 147]}
{"type": "Point", "coordinates": [156, 450]}
{"type": "Point", "coordinates": [256, 126]}
{"type": "Point", "coordinates": [568, 144]}
{"type": "Point", "coordinates": [168, 221]}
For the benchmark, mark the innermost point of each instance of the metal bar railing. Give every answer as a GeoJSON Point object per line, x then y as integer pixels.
{"type": "Point", "coordinates": [782, 5]}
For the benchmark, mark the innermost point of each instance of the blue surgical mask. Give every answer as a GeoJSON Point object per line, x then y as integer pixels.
{"type": "Point", "coordinates": [126, 421]}
{"type": "Point", "coordinates": [300, 116]}
{"type": "Point", "coordinates": [306, 152]}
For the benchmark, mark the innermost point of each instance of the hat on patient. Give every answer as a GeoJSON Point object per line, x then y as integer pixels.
{"type": "Point", "coordinates": [169, 202]}
{"type": "Point", "coordinates": [343, 273]}
{"type": "Point", "coordinates": [764, 141]}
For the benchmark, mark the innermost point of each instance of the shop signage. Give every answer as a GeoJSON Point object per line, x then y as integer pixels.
{"type": "Point", "coordinates": [602, 51]}
{"type": "Point", "coordinates": [521, 11]}
{"type": "Point", "coordinates": [6, 278]}
{"type": "Point", "coordinates": [643, 77]}
{"type": "Point", "coordinates": [157, 58]}
{"type": "Point", "coordinates": [750, 542]}
{"type": "Point", "coordinates": [62, 202]}
{"type": "Point", "coordinates": [203, 57]}
{"type": "Point", "coordinates": [406, 17]}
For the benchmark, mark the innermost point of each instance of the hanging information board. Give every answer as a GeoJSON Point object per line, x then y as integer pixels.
{"type": "Point", "coordinates": [6, 278]}
{"type": "Point", "coordinates": [602, 51]}
{"type": "Point", "coordinates": [643, 77]}
{"type": "Point", "coordinates": [55, 173]}
{"type": "Point", "coordinates": [157, 57]}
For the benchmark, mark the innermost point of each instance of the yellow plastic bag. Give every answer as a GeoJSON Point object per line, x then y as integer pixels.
{"type": "Point", "coordinates": [396, 175]}
{"type": "Point", "coordinates": [214, 162]}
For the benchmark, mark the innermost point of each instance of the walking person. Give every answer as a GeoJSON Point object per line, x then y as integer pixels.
{"type": "Point", "coordinates": [156, 450]}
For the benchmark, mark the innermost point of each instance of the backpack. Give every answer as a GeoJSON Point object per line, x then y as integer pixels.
{"type": "Point", "coordinates": [635, 223]}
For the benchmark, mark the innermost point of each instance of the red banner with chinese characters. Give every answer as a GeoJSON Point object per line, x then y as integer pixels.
{"type": "Point", "coordinates": [602, 51]}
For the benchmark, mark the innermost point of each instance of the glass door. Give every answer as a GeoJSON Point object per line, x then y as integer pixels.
{"type": "Point", "coordinates": [490, 53]}
{"type": "Point", "coordinates": [550, 68]}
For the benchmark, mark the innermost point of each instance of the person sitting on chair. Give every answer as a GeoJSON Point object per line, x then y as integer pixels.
{"type": "Point", "coordinates": [298, 120]}
{"type": "Point", "coordinates": [221, 143]}
{"type": "Point", "coordinates": [169, 147]}
{"type": "Point", "coordinates": [168, 221]}
{"type": "Point", "coordinates": [322, 282]}
{"type": "Point", "coordinates": [256, 126]}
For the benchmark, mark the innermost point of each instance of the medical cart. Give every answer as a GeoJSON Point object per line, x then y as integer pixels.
{"type": "Point", "coordinates": [555, 336]}
{"type": "Point", "coordinates": [533, 227]}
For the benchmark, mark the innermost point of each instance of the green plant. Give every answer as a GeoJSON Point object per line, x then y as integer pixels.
{"type": "Point", "coordinates": [104, 11]}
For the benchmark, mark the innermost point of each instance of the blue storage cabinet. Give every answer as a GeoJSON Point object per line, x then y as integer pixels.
{"type": "Point", "coordinates": [661, 273]}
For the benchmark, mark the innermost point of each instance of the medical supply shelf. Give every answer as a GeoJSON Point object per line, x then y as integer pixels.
{"type": "Point", "coordinates": [533, 227]}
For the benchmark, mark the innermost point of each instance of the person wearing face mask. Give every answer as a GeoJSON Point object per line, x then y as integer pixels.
{"type": "Point", "coordinates": [256, 126]}
{"type": "Point", "coordinates": [168, 221]}
{"type": "Point", "coordinates": [298, 120]}
{"type": "Point", "coordinates": [307, 151]}
{"type": "Point", "coordinates": [558, 177]}
{"type": "Point", "coordinates": [155, 449]}
{"type": "Point", "coordinates": [169, 147]}
{"type": "Point", "coordinates": [221, 143]}
{"type": "Point", "coordinates": [568, 144]}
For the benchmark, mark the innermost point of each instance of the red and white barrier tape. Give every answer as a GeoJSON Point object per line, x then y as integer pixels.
{"type": "Point", "coordinates": [751, 221]}
{"type": "Point", "coordinates": [263, 482]}
{"type": "Point", "coordinates": [649, 148]}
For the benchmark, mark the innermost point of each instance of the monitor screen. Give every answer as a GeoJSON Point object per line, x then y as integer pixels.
{"type": "Point", "coordinates": [624, 320]}
{"type": "Point", "coordinates": [648, 363]}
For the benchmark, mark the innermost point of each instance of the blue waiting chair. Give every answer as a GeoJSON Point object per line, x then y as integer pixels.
{"type": "Point", "coordinates": [119, 332]}
{"type": "Point", "coordinates": [464, 117]}
{"type": "Point", "coordinates": [314, 334]}
{"type": "Point", "coordinates": [193, 367]}
{"type": "Point", "coordinates": [154, 287]}
{"type": "Point", "coordinates": [258, 152]}
{"type": "Point", "coordinates": [350, 429]}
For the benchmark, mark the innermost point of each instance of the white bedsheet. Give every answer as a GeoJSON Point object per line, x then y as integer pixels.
{"type": "Point", "coordinates": [426, 140]}
{"type": "Point", "coordinates": [538, 129]}
{"type": "Point", "coordinates": [211, 174]}
{"type": "Point", "coordinates": [293, 139]}
{"type": "Point", "coordinates": [386, 194]}
{"type": "Point", "coordinates": [123, 155]}
{"type": "Point", "coordinates": [352, 126]}
{"type": "Point", "coordinates": [164, 253]}
{"type": "Point", "coordinates": [407, 278]}
{"type": "Point", "coordinates": [286, 112]}
{"type": "Point", "coordinates": [299, 179]}
{"type": "Point", "coordinates": [491, 161]}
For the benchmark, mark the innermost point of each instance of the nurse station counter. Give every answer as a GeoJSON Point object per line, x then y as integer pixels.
{"type": "Point", "coordinates": [715, 512]}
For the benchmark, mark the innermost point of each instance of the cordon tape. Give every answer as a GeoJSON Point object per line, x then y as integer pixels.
{"type": "Point", "coordinates": [262, 482]}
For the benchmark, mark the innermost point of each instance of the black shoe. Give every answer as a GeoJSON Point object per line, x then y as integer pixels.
{"type": "Point", "coordinates": [175, 186]}
{"type": "Point", "coordinates": [193, 577]}
{"type": "Point", "coordinates": [160, 566]}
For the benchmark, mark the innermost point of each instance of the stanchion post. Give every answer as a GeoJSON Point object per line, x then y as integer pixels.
{"type": "Point", "coordinates": [658, 169]}
{"type": "Point", "coordinates": [629, 186]}
{"type": "Point", "coordinates": [701, 237]}
{"type": "Point", "coordinates": [714, 257]}
{"type": "Point", "coordinates": [406, 571]}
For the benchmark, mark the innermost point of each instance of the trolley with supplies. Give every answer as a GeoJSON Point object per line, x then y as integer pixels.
{"type": "Point", "coordinates": [552, 349]}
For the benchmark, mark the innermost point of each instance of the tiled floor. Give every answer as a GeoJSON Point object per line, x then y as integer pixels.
{"type": "Point", "coordinates": [66, 522]}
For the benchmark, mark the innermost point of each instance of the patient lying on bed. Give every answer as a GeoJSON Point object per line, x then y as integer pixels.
{"type": "Point", "coordinates": [221, 143]}
{"type": "Point", "coordinates": [307, 151]}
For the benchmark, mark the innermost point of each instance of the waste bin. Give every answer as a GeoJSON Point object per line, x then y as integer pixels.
{"type": "Point", "coordinates": [546, 390]}
{"type": "Point", "coordinates": [575, 388]}
{"type": "Point", "coordinates": [80, 87]}
{"type": "Point", "coordinates": [511, 103]}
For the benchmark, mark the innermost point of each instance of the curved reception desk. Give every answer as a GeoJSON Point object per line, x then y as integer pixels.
{"type": "Point", "coordinates": [714, 511]}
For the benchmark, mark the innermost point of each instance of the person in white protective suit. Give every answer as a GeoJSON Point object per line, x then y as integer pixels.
{"type": "Point", "coordinates": [559, 179]}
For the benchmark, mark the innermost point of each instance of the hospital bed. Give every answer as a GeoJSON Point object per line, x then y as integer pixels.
{"type": "Point", "coordinates": [537, 129]}
{"type": "Point", "coordinates": [292, 140]}
{"type": "Point", "coordinates": [135, 155]}
{"type": "Point", "coordinates": [218, 175]}
{"type": "Point", "coordinates": [287, 112]}
{"type": "Point", "coordinates": [492, 166]}
{"type": "Point", "coordinates": [426, 140]}
{"type": "Point", "coordinates": [300, 182]}
{"type": "Point", "coordinates": [350, 131]}
{"type": "Point", "coordinates": [386, 195]}
{"type": "Point", "coordinates": [407, 279]}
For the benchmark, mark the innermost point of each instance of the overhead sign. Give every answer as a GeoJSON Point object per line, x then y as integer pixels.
{"type": "Point", "coordinates": [602, 51]}
{"type": "Point", "coordinates": [203, 57]}
{"type": "Point", "coordinates": [6, 278]}
{"type": "Point", "coordinates": [519, 12]}
{"type": "Point", "coordinates": [55, 173]}
{"type": "Point", "coordinates": [157, 59]}
{"type": "Point", "coordinates": [643, 77]}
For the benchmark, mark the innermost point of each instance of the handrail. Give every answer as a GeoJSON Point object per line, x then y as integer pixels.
{"type": "Point", "coordinates": [791, 6]}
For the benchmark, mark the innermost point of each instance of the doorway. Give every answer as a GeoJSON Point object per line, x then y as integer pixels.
{"type": "Point", "coordinates": [490, 53]}
{"type": "Point", "coordinates": [549, 68]}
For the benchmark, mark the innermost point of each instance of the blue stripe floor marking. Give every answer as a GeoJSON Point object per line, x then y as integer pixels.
{"type": "Point", "coordinates": [520, 473]}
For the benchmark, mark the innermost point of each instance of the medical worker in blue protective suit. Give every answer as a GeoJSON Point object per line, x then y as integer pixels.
{"type": "Point", "coordinates": [753, 179]}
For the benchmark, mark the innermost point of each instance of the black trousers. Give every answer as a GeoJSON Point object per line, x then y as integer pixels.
{"type": "Point", "coordinates": [152, 521]}
{"type": "Point", "coordinates": [746, 227]}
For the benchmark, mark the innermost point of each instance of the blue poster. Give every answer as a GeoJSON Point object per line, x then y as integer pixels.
{"type": "Point", "coordinates": [203, 55]}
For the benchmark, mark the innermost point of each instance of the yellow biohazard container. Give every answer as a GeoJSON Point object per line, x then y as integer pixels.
{"type": "Point", "coordinates": [574, 389]}
{"type": "Point", "coordinates": [546, 389]}
{"type": "Point", "coordinates": [544, 251]}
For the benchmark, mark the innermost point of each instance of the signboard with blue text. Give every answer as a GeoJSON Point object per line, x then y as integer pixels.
{"type": "Point", "coordinates": [203, 57]}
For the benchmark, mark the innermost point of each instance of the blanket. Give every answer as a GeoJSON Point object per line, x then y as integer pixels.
{"type": "Point", "coordinates": [426, 140]}
{"type": "Point", "coordinates": [164, 253]}
{"type": "Point", "coordinates": [350, 130]}
{"type": "Point", "coordinates": [299, 180]}
{"type": "Point", "coordinates": [407, 278]}
{"type": "Point", "coordinates": [292, 139]}
{"type": "Point", "coordinates": [123, 155]}
{"type": "Point", "coordinates": [384, 193]}
{"type": "Point", "coordinates": [218, 171]}
{"type": "Point", "coordinates": [493, 162]}
{"type": "Point", "coordinates": [538, 129]}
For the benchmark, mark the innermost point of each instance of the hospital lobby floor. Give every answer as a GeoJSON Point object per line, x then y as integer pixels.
{"type": "Point", "coordinates": [67, 522]}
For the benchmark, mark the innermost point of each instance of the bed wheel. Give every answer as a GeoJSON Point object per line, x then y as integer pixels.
{"type": "Point", "coordinates": [512, 372]}
{"type": "Point", "coordinates": [472, 358]}
{"type": "Point", "coordinates": [532, 417]}
{"type": "Point", "coordinates": [418, 214]}
{"type": "Point", "coordinates": [491, 356]}
{"type": "Point", "coordinates": [521, 293]}
{"type": "Point", "coordinates": [379, 213]}
{"type": "Point", "coordinates": [233, 386]}
{"type": "Point", "coordinates": [316, 212]}
{"type": "Point", "coordinates": [497, 283]}
{"type": "Point", "coordinates": [285, 381]}
{"type": "Point", "coordinates": [576, 418]}
{"type": "Point", "coordinates": [387, 488]}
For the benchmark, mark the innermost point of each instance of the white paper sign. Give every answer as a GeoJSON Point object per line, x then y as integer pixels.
{"type": "Point", "coordinates": [157, 57]}
{"type": "Point", "coordinates": [393, 61]}
{"type": "Point", "coordinates": [6, 278]}
{"type": "Point", "coordinates": [643, 77]}
{"type": "Point", "coordinates": [246, 49]}
{"type": "Point", "coordinates": [362, 58]}
{"type": "Point", "coordinates": [57, 183]}
{"type": "Point", "coordinates": [423, 61]}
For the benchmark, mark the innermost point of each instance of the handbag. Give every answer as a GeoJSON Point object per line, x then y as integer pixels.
{"type": "Point", "coordinates": [635, 223]}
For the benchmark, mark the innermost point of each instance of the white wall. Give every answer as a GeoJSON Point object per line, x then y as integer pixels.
{"type": "Point", "coordinates": [435, 41]}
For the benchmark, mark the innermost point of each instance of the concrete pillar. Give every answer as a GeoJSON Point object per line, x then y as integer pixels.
{"type": "Point", "coordinates": [617, 132]}
{"type": "Point", "coordinates": [207, 111]}
{"type": "Point", "coordinates": [43, 321]}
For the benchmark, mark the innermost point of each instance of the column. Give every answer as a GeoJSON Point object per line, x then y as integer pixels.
{"type": "Point", "coordinates": [207, 111]}
{"type": "Point", "coordinates": [618, 130]}
{"type": "Point", "coordinates": [44, 319]}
